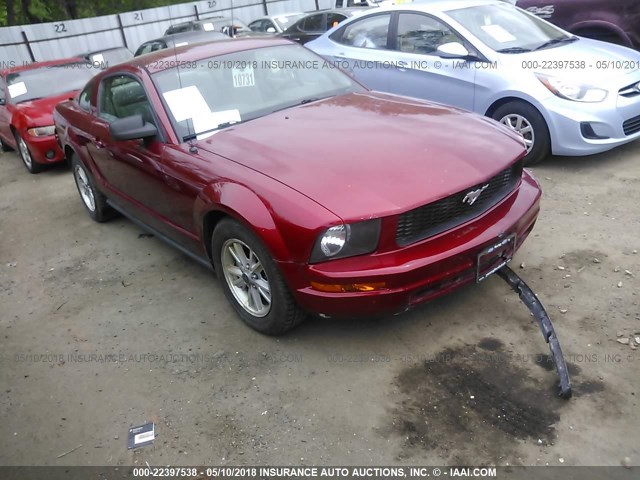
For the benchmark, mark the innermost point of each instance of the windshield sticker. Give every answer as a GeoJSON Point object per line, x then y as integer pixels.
{"type": "Point", "coordinates": [17, 89]}
{"type": "Point", "coordinates": [98, 58]}
{"type": "Point", "coordinates": [208, 27]}
{"type": "Point", "coordinates": [212, 120]}
{"type": "Point", "coordinates": [498, 33]}
{"type": "Point", "coordinates": [186, 103]}
{"type": "Point", "coordinates": [243, 77]}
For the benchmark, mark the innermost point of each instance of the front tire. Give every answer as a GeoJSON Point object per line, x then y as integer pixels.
{"type": "Point", "coordinates": [95, 203]}
{"type": "Point", "coordinates": [525, 119]}
{"type": "Point", "coordinates": [251, 281]}
{"type": "Point", "coordinates": [27, 158]}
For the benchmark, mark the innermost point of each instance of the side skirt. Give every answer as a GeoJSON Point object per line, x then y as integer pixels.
{"type": "Point", "coordinates": [201, 260]}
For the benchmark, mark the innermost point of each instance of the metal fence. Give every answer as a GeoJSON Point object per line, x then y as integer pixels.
{"type": "Point", "coordinates": [48, 41]}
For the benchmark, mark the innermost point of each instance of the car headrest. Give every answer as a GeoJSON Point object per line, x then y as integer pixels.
{"type": "Point", "coordinates": [128, 94]}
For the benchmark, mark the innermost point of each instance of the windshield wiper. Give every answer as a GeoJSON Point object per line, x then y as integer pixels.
{"type": "Point", "coordinates": [556, 41]}
{"type": "Point", "coordinates": [29, 99]}
{"type": "Point", "coordinates": [191, 136]}
{"type": "Point", "coordinates": [514, 50]}
{"type": "Point", "coordinates": [303, 102]}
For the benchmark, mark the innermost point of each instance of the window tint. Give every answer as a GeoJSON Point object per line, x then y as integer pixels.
{"type": "Point", "coordinates": [312, 23]}
{"type": "Point", "coordinates": [84, 100]}
{"type": "Point", "coordinates": [370, 32]}
{"type": "Point", "coordinates": [257, 26]}
{"type": "Point", "coordinates": [145, 48]}
{"type": "Point", "coordinates": [422, 34]}
{"type": "Point", "coordinates": [334, 19]}
{"type": "Point", "coordinates": [158, 46]}
{"type": "Point", "coordinates": [123, 96]}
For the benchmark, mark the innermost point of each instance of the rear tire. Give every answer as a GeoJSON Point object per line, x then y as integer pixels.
{"type": "Point", "coordinates": [95, 203]}
{"type": "Point", "coordinates": [525, 119]}
{"type": "Point", "coordinates": [251, 281]}
{"type": "Point", "coordinates": [25, 154]}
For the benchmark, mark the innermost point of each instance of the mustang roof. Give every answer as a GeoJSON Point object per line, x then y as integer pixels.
{"type": "Point", "coordinates": [167, 58]}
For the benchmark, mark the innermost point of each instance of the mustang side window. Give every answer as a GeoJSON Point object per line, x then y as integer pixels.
{"type": "Point", "coordinates": [84, 100]}
{"type": "Point", "coordinates": [123, 96]}
{"type": "Point", "coordinates": [422, 34]}
{"type": "Point", "coordinates": [370, 32]}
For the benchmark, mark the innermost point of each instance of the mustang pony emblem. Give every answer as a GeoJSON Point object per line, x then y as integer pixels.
{"type": "Point", "coordinates": [473, 195]}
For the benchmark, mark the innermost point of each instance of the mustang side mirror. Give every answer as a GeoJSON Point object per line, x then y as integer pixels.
{"type": "Point", "coordinates": [452, 50]}
{"type": "Point", "coordinates": [131, 128]}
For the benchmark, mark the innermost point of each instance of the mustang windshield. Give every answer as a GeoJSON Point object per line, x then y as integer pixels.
{"type": "Point", "coordinates": [216, 92]}
{"type": "Point", "coordinates": [48, 81]}
{"type": "Point", "coordinates": [507, 29]}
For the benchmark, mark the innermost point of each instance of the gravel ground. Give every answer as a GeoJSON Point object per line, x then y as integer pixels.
{"type": "Point", "coordinates": [103, 328]}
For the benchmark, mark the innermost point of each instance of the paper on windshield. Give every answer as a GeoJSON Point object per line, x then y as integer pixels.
{"type": "Point", "coordinates": [98, 58]}
{"type": "Point", "coordinates": [211, 120]}
{"type": "Point", "coordinates": [498, 33]}
{"type": "Point", "coordinates": [186, 103]}
{"type": "Point", "coordinates": [17, 89]}
{"type": "Point", "coordinates": [208, 27]}
{"type": "Point", "coordinates": [243, 77]}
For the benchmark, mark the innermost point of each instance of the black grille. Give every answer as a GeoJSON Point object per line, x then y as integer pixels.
{"type": "Point", "coordinates": [631, 126]}
{"type": "Point", "coordinates": [436, 217]}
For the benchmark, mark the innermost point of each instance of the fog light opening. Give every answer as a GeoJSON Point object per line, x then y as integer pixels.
{"type": "Point", "coordinates": [348, 287]}
{"type": "Point", "coordinates": [587, 131]}
{"type": "Point", "coordinates": [50, 154]}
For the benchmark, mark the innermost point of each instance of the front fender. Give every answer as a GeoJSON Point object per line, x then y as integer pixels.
{"type": "Point", "coordinates": [244, 205]}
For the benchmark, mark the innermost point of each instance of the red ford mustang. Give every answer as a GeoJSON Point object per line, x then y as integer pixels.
{"type": "Point", "coordinates": [27, 96]}
{"type": "Point", "coordinates": [305, 191]}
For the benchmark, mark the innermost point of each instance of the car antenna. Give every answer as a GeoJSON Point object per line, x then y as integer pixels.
{"type": "Point", "coordinates": [192, 136]}
{"type": "Point", "coordinates": [231, 31]}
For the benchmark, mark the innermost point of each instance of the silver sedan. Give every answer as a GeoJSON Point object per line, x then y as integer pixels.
{"type": "Point", "coordinates": [566, 95]}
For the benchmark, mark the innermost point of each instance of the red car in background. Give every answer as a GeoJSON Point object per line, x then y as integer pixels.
{"type": "Point", "coordinates": [28, 95]}
{"type": "Point", "coordinates": [305, 191]}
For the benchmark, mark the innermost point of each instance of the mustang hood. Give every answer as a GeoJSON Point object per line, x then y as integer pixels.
{"type": "Point", "coordinates": [369, 154]}
{"type": "Point", "coordinates": [40, 111]}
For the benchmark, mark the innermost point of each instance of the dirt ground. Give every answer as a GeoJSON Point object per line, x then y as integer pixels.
{"type": "Point", "coordinates": [102, 328]}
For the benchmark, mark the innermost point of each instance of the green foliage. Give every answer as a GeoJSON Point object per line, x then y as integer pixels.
{"type": "Point", "coordinates": [21, 12]}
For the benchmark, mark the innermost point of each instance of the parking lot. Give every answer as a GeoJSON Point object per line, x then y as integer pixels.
{"type": "Point", "coordinates": [104, 327]}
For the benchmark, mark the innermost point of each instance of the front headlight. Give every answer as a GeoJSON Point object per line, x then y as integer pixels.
{"type": "Point", "coordinates": [346, 240]}
{"type": "Point", "coordinates": [571, 90]}
{"type": "Point", "coordinates": [42, 131]}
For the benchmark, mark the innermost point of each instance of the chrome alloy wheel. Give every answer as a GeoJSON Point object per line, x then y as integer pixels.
{"type": "Point", "coordinates": [520, 124]}
{"type": "Point", "coordinates": [84, 187]}
{"type": "Point", "coordinates": [24, 153]}
{"type": "Point", "coordinates": [246, 277]}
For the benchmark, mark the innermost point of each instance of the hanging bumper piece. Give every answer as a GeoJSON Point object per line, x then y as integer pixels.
{"type": "Point", "coordinates": [535, 307]}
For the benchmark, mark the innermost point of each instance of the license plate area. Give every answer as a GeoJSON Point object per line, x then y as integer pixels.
{"type": "Point", "coordinates": [494, 257]}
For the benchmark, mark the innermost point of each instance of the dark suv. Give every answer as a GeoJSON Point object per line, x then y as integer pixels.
{"type": "Point", "coordinates": [612, 21]}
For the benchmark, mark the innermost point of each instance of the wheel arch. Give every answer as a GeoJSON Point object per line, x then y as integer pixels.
{"type": "Point", "coordinates": [226, 199]}
{"type": "Point", "coordinates": [587, 27]}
